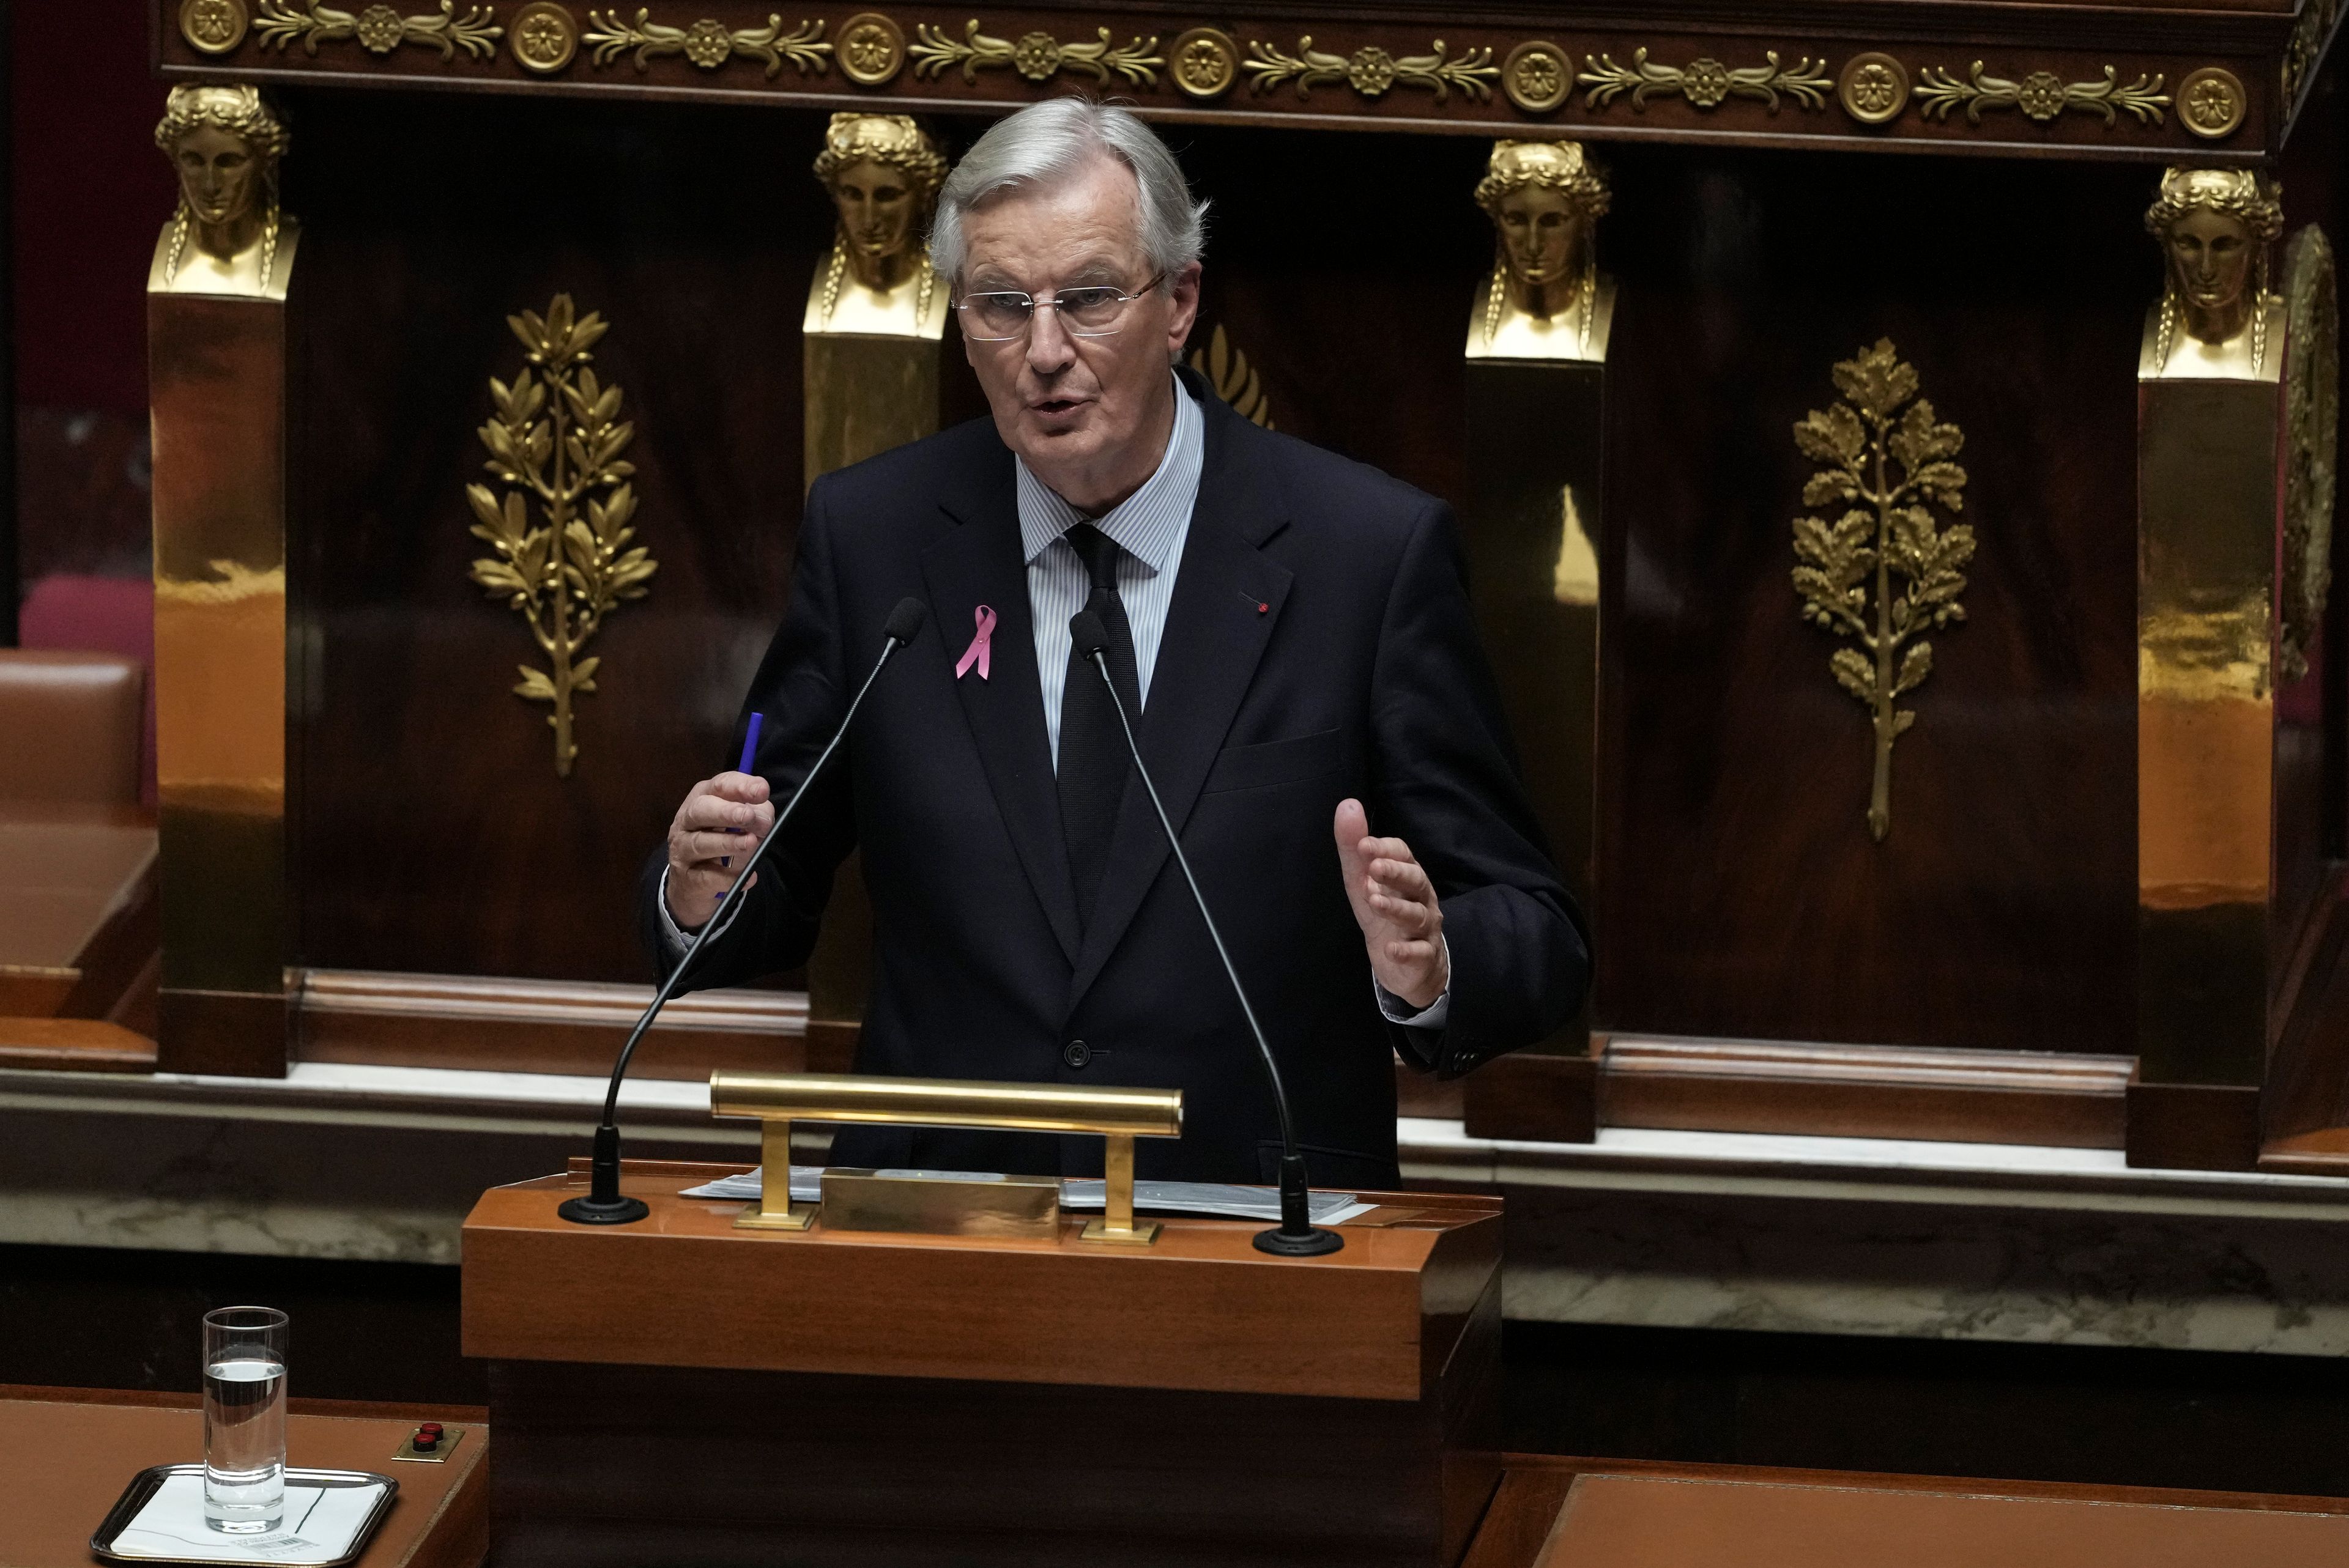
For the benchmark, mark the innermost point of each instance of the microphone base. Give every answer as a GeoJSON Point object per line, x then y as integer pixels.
{"type": "Point", "coordinates": [1311, 1242]}
{"type": "Point", "coordinates": [614, 1211]}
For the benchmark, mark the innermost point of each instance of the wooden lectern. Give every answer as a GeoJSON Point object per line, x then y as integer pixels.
{"type": "Point", "coordinates": [684, 1391]}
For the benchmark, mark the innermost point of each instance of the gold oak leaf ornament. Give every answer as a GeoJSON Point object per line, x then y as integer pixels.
{"type": "Point", "coordinates": [553, 435]}
{"type": "Point", "coordinates": [1886, 537]}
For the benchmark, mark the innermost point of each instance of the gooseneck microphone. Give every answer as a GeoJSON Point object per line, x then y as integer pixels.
{"type": "Point", "coordinates": [1298, 1236]}
{"type": "Point", "coordinates": [604, 1204]}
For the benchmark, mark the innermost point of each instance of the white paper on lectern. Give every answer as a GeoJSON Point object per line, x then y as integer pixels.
{"type": "Point", "coordinates": [1215, 1199]}
{"type": "Point", "coordinates": [320, 1524]}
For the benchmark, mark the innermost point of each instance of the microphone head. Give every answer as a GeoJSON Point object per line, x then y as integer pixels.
{"type": "Point", "coordinates": [1086, 631]}
{"type": "Point", "coordinates": [904, 622]}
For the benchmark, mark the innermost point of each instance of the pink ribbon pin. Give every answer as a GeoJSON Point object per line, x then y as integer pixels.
{"type": "Point", "coordinates": [981, 652]}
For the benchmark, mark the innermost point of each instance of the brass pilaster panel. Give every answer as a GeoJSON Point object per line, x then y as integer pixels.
{"type": "Point", "coordinates": [217, 377]}
{"type": "Point", "coordinates": [2207, 499]}
{"type": "Point", "coordinates": [864, 396]}
{"type": "Point", "coordinates": [1531, 528]}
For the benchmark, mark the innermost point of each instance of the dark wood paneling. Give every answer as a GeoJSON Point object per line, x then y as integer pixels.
{"type": "Point", "coordinates": [1536, 1096]}
{"type": "Point", "coordinates": [1744, 1086]}
{"type": "Point", "coordinates": [239, 1033]}
{"type": "Point", "coordinates": [636, 1465]}
{"type": "Point", "coordinates": [544, 1026]}
{"type": "Point", "coordinates": [1740, 893]}
{"type": "Point", "coordinates": [2194, 1126]}
{"type": "Point", "coordinates": [433, 832]}
{"type": "Point", "coordinates": [1881, 1091]}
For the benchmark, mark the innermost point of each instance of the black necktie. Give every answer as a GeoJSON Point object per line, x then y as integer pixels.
{"type": "Point", "coordinates": [1093, 759]}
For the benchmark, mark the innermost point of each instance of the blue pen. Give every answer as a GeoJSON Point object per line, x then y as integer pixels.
{"type": "Point", "coordinates": [749, 756]}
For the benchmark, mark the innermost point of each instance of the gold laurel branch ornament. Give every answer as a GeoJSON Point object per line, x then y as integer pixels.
{"type": "Point", "coordinates": [554, 436]}
{"type": "Point", "coordinates": [1886, 539]}
{"type": "Point", "coordinates": [2310, 35]}
{"type": "Point", "coordinates": [379, 30]}
{"type": "Point", "coordinates": [708, 43]}
{"type": "Point", "coordinates": [1228, 371]}
{"type": "Point", "coordinates": [2312, 400]}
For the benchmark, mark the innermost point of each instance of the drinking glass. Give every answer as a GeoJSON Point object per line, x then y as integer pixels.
{"type": "Point", "coordinates": [244, 1420]}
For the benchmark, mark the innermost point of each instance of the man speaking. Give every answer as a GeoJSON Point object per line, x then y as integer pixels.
{"type": "Point", "coordinates": [1291, 629]}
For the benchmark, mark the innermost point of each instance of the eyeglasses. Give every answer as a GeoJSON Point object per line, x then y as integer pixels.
{"type": "Point", "coordinates": [1095, 311]}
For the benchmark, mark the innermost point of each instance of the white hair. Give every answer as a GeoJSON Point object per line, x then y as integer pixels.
{"type": "Point", "coordinates": [1048, 143]}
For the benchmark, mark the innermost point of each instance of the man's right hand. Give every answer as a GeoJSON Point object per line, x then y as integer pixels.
{"type": "Point", "coordinates": [720, 822]}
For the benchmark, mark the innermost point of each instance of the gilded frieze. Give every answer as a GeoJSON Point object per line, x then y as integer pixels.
{"type": "Point", "coordinates": [378, 29]}
{"type": "Point", "coordinates": [1039, 56]}
{"type": "Point", "coordinates": [213, 26]}
{"type": "Point", "coordinates": [543, 38]}
{"type": "Point", "coordinates": [2211, 103]}
{"type": "Point", "coordinates": [1873, 88]}
{"type": "Point", "coordinates": [1205, 63]}
{"type": "Point", "coordinates": [1370, 70]}
{"type": "Point", "coordinates": [1704, 83]}
{"type": "Point", "coordinates": [1538, 76]}
{"type": "Point", "coordinates": [871, 49]}
{"type": "Point", "coordinates": [2042, 95]}
{"type": "Point", "coordinates": [1884, 572]}
{"type": "Point", "coordinates": [708, 43]}
{"type": "Point", "coordinates": [1177, 63]}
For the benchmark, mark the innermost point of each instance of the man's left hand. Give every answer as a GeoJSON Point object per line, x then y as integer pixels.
{"type": "Point", "coordinates": [1403, 926]}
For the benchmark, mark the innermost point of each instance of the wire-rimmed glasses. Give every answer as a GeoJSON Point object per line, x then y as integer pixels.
{"type": "Point", "coordinates": [1093, 310]}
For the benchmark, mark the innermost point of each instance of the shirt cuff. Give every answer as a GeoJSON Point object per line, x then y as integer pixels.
{"type": "Point", "coordinates": [675, 939]}
{"type": "Point", "coordinates": [1392, 1007]}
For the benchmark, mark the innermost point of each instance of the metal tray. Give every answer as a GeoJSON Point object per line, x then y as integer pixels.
{"type": "Point", "coordinates": [147, 1483]}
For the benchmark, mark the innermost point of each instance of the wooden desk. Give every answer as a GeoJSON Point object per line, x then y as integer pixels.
{"type": "Point", "coordinates": [679, 1391]}
{"type": "Point", "coordinates": [65, 1454]}
{"type": "Point", "coordinates": [1565, 1512]}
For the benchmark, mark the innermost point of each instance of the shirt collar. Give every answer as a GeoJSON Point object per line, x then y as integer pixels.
{"type": "Point", "coordinates": [1147, 523]}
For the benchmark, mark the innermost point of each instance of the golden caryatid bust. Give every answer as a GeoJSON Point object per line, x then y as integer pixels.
{"type": "Point", "coordinates": [1545, 299]}
{"type": "Point", "coordinates": [2216, 318]}
{"type": "Point", "coordinates": [228, 236]}
{"type": "Point", "coordinates": [883, 174]}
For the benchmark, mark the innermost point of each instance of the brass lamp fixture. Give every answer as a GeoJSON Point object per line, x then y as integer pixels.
{"type": "Point", "coordinates": [958, 1204]}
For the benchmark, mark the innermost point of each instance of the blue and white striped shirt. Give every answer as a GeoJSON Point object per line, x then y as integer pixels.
{"type": "Point", "coordinates": [1149, 526]}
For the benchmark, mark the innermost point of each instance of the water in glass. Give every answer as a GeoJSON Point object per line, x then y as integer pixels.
{"type": "Point", "coordinates": [244, 1422]}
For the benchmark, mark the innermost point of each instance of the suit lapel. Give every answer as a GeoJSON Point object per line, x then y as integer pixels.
{"type": "Point", "coordinates": [981, 562]}
{"type": "Point", "coordinates": [1214, 637]}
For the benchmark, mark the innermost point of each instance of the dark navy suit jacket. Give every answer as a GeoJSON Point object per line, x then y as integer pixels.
{"type": "Point", "coordinates": [1319, 645]}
